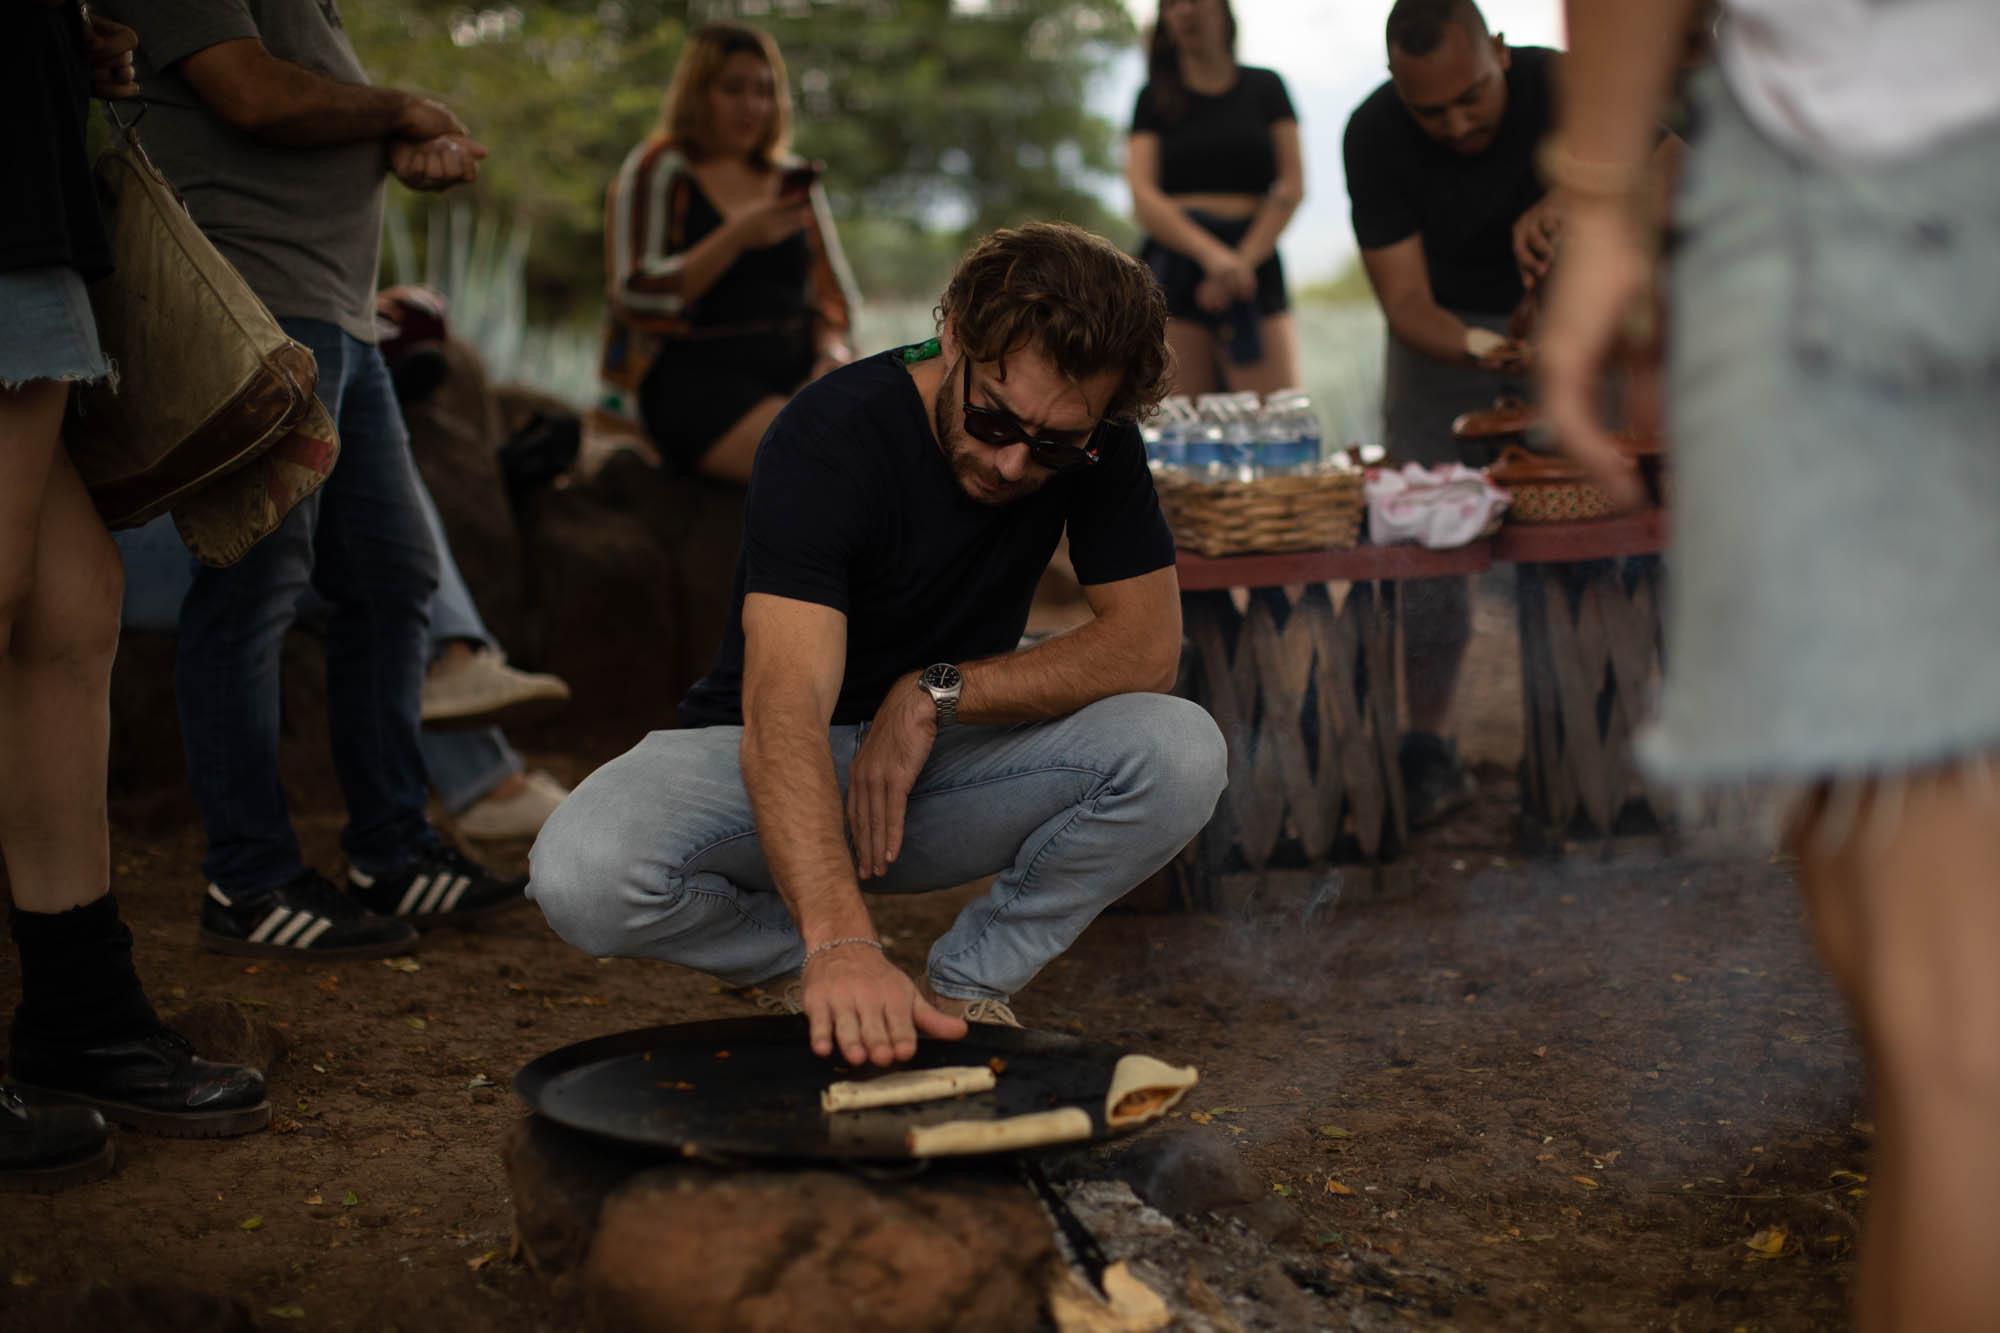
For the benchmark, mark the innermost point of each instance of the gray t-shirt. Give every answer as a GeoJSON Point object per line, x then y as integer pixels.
{"type": "Point", "coordinates": [302, 225]}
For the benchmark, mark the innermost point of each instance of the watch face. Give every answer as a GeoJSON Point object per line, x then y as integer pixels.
{"type": "Point", "coordinates": [943, 676]}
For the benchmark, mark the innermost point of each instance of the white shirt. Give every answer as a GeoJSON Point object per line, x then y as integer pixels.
{"type": "Point", "coordinates": [1864, 79]}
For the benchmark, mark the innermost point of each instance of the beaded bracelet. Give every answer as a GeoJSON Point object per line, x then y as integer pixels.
{"type": "Point", "coordinates": [819, 949]}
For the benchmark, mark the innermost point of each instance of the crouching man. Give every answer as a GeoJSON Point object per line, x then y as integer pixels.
{"type": "Point", "coordinates": [868, 722]}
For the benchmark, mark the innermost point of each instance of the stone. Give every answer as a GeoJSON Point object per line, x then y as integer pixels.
{"type": "Point", "coordinates": [231, 1034]}
{"type": "Point", "coordinates": [641, 1245]}
{"type": "Point", "coordinates": [1188, 1171]}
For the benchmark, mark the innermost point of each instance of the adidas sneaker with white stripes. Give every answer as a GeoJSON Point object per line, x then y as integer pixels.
{"type": "Point", "coordinates": [442, 888]}
{"type": "Point", "coordinates": [306, 919]}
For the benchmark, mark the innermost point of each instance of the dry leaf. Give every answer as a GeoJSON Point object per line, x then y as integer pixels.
{"type": "Point", "coordinates": [1845, 1177]}
{"type": "Point", "coordinates": [1277, 1188]}
{"type": "Point", "coordinates": [21, 1277]}
{"type": "Point", "coordinates": [1682, 977]}
{"type": "Point", "coordinates": [1767, 1244]}
{"type": "Point", "coordinates": [314, 1198]}
{"type": "Point", "coordinates": [416, 1024]}
{"type": "Point", "coordinates": [1201, 1117]}
{"type": "Point", "coordinates": [349, 1199]}
{"type": "Point", "coordinates": [480, 1081]}
{"type": "Point", "coordinates": [1541, 1052]}
{"type": "Point", "coordinates": [250, 1224]}
{"type": "Point", "coordinates": [1335, 1132]}
{"type": "Point", "coordinates": [285, 1312]}
{"type": "Point", "coordinates": [480, 1261]}
{"type": "Point", "coordinates": [1588, 1182]}
{"type": "Point", "coordinates": [1335, 1187]}
{"type": "Point", "coordinates": [402, 963]}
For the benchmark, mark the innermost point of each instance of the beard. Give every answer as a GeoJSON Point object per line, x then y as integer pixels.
{"type": "Point", "coordinates": [977, 478]}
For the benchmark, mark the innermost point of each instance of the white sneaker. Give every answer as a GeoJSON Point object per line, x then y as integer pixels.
{"type": "Point", "coordinates": [480, 687]}
{"type": "Point", "coordinates": [516, 817]}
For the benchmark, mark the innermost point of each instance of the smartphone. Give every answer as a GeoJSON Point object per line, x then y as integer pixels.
{"type": "Point", "coordinates": [797, 182]}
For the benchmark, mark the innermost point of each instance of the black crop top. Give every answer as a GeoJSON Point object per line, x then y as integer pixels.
{"type": "Point", "coordinates": [1221, 143]}
{"type": "Point", "coordinates": [770, 285]}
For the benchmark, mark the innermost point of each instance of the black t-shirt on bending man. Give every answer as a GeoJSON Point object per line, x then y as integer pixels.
{"type": "Point", "coordinates": [854, 506]}
{"type": "Point", "coordinates": [1221, 142]}
{"type": "Point", "coordinates": [1403, 183]}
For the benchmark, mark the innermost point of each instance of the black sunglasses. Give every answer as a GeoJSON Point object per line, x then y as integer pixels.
{"type": "Point", "coordinates": [990, 425]}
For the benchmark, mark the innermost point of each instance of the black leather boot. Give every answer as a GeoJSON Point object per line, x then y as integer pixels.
{"type": "Point", "coordinates": [47, 1148]}
{"type": "Point", "coordinates": [154, 1083]}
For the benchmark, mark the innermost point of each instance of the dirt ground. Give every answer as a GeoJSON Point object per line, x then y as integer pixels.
{"type": "Point", "coordinates": [1603, 1091]}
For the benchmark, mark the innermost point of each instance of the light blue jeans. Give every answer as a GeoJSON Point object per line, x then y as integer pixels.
{"type": "Point", "coordinates": [463, 765]}
{"type": "Point", "coordinates": [656, 855]}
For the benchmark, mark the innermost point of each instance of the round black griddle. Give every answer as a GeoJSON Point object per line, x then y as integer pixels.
{"type": "Point", "coordinates": [749, 1088]}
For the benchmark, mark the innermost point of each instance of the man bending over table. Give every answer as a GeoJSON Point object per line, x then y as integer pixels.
{"type": "Point", "coordinates": [868, 721]}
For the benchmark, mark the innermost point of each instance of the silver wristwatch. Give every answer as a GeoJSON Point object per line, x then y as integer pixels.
{"type": "Point", "coordinates": [944, 684]}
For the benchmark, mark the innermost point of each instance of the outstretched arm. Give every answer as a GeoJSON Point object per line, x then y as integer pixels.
{"type": "Point", "coordinates": [1622, 56]}
{"type": "Point", "coordinates": [794, 659]}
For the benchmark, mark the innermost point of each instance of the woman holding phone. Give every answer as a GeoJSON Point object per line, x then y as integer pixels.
{"type": "Point", "coordinates": [1215, 171]}
{"type": "Point", "coordinates": [728, 289]}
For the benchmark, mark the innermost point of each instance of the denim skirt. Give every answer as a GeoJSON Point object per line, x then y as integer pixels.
{"type": "Point", "coordinates": [1833, 606]}
{"type": "Point", "coordinates": [47, 331]}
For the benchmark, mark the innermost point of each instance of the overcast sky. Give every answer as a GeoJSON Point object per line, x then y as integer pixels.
{"type": "Point", "coordinates": [1330, 54]}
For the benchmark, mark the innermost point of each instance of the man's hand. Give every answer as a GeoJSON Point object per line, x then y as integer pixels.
{"type": "Point", "coordinates": [1535, 234]}
{"type": "Point", "coordinates": [426, 118]}
{"type": "Point", "coordinates": [436, 164]}
{"type": "Point", "coordinates": [108, 47]}
{"type": "Point", "coordinates": [1604, 279]}
{"type": "Point", "coordinates": [898, 743]}
{"type": "Point", "coordinates": [1493, 351]}
{"type": "Point", "coordinates": [860, 1000]}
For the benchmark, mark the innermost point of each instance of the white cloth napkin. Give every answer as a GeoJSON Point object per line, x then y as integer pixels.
{"type": "Point", "coordinates": [1438, 508]}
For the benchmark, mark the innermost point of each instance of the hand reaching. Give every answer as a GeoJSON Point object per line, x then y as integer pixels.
{"type": "Point", "coordinates": [858, 999]}
{"type": "Point", "coordinates": [774, 220]}
{"type": "Point", "coordinates": [438, 163]}
{"type": "Point", "coordinates": [878, 786]}
{"type": "Point", "coordinates": [1535, 234]}
{"type": "Point", "coordinates": [1604, 279]}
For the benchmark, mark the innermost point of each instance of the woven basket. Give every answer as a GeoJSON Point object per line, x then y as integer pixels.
{"type": "Point", "coordinates": [1310, 511]}
{"type": "Point", "coordinates": [1557, 502]}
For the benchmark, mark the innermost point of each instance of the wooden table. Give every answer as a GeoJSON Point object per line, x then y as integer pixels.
{"type": "Point", "coordinates": [1588, 604]}
{"type": "Point", "coordinates": [1300, 675]}
{"type": "Point", "coordinates": [1295, 657]}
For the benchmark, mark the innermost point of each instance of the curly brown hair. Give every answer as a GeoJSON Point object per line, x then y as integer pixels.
{"type": "Point", "coordinates": [1087, 305]}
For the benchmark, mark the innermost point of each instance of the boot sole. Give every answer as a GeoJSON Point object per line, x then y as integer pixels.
{"type": "Point", "coordinates": [49, 1179]}
{"type": "Point", "coordinates": [166, 1124]}
{"type": "Point", "coordinates": [246, 949]}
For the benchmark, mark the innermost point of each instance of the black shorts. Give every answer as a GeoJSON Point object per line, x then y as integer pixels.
{"type": "Point", "coordinates": [1179, 275]}
{"type": "Point", "coordinates": [698, 388]}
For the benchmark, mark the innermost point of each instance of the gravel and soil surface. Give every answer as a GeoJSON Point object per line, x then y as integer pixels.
{"type": "Point", "coordinates": [1603, 1091]}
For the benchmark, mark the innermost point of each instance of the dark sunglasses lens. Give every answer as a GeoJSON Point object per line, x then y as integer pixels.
{"type": "Point", "coordinates": [989, 427]}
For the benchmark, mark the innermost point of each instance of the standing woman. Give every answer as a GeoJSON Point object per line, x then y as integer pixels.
{"type": "Point", "coordinates": [1215, 170]}
{"type": "Point", "coordinates": [1833, 384]}
{"type": "Point", "coordinates": [728, 289]}
{"type": "Point", "coordinates": [85, 1045]}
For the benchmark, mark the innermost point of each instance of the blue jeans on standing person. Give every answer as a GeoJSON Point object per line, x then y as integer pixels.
{"type": "Point", "coordinates": [656, 855]}
{"type": "Point", "coordinates": [465, 765]}
{"type": "Point", "coordinates": [362, 544]}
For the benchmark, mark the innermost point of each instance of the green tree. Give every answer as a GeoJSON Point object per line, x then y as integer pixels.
{"type": "Point", "coordinates": [949, 116]}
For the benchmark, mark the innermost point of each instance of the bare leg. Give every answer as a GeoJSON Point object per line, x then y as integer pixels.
{"type": "Point", "coordinates": [60, 582]}
{"type": "Point", "coordinates": [1437, 628]}
{"type": "Point", "coordinates": [730, 457]}
{"type": "Point", "coordinates": [1279, 368]}
{"type": "Point", "coordinates": [1194, 357]}
{"type": "Point", "coordinates": [1916, 899]}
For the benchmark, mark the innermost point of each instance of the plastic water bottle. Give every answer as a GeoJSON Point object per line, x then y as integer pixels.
{"type": "Point", "coordinates": [1207, 438]}
{"type": "Point", "coordinates": [1293, 442]}
{"type": "Point", "coordinates": [1169, 447]}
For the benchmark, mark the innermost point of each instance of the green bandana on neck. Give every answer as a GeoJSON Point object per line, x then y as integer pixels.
{"type": "Point", "coordinates": [922, 351]}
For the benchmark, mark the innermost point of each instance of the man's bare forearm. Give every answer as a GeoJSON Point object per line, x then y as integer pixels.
{"type": "Point", "coordinates": [1431, 330]}
{"type": "Point", "coordinates": [306, 110]}
{"type": "Point", "coordinates": [788, 771]}
{"type": "Point", "coordinates": [1058, 676]}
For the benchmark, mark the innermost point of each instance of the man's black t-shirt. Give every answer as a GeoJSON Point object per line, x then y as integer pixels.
{"type": "Point", "coordinates": [51, 218]}
{"type": "Point", "coordinates": [1403, 183]}
{"type": "Point", "coordinates": [854, 506]}
{"type": "Point", "coordinates": [1221, 142]}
